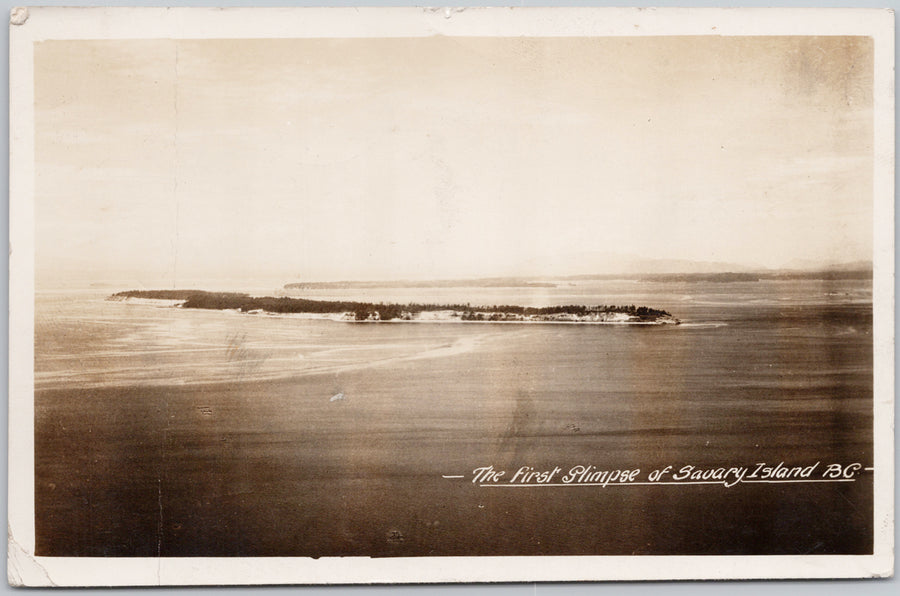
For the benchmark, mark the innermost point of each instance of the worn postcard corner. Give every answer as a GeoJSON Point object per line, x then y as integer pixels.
{"type": "Point", "coordinates": [18, 15]}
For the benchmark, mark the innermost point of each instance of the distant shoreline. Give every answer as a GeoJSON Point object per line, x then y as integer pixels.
{"type": "Point", "coordinates": [366, 312]}
{"type": "Point", "coordinates": [556, 281]}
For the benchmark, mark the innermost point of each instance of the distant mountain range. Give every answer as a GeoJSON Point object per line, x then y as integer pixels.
{"type": "Point", "coordinates": [604, 263]}
{"type": "Point", "coordinates": [484, 282]}
{"type": "Point", "coordinates": [670, 270]}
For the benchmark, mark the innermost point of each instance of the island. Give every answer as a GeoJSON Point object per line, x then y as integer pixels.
{"type": "Point", "coordinates": [381, 312]}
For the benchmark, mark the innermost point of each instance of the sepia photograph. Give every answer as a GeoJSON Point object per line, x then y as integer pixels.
{"type": "Point", "coordinates": [451, 295]}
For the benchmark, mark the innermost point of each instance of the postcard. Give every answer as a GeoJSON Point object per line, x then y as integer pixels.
{"type": "Point", "coordinates": [394, 295]}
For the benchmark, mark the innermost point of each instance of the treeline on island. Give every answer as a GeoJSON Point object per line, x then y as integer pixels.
{"type": "Point", "coordinates": [501, 313]}
{"type": "Point", "coordinates": [385, 312]}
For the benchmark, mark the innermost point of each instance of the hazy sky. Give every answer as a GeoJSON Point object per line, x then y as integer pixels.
{"type": "Point", "coordinates": [447, 157]}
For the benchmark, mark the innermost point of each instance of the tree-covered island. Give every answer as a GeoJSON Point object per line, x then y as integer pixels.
{"type": "Point", "coordinates": [368, 311]}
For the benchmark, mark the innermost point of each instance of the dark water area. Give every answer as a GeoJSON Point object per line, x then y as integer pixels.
{"type": "Point", "coordinates": [173, 433]}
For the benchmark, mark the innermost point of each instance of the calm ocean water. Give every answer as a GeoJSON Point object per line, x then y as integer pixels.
{"type": "Point", "coordinates": [164, 431]}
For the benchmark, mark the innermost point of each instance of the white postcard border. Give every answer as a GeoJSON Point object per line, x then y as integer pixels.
{"type": "Point", "coordinates": [127, 23]}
